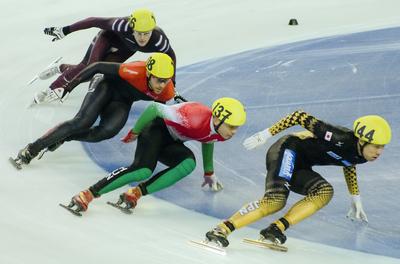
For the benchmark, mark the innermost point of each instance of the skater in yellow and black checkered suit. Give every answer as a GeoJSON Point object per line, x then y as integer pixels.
{"type": "Point", "coordinates": [289, 163]}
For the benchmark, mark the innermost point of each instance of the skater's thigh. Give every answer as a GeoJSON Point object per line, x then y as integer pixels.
{"type": "Point", "coordinates": [150, 144]}
{"type": "Point", "coordinates": [99, 47]}
{"type": "Point", "coordinates": [304, 180]}
{"type": "Point", "coordinates": [175, 153]}
{"type": "Point", "coordinates": [118, 52]}
{"type": "Point", "coordinates": [280, 163]}
{"type": "Point", "coordinates": [114, 116]}
{"type": "Point", "coordinates": [97, 97]}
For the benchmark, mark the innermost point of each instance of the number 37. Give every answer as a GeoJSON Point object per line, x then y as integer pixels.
{"type": "Point", "coordinates": [219, 111]}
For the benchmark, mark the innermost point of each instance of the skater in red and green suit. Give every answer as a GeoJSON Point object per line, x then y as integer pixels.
{"type": "Point", "coordinates": [161, 131]}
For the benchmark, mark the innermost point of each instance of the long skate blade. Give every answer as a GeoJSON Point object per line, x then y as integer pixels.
{"type": "Point", "coordinates": [122, 209]}
{"type": "Point", "coordinates": [265, 245]}
{"type": "Point", "coordinates": [37, 75]}
{"type": "Point", "coordinates": [33, 80]}
{"type": "Point", "coordinates": [56, 61]}
{"type": "Point", "coordinates": [46, 102]}
{"type": "Point", "coordinates": [32, 103]}
{"type": "Point", "coordinates": [208, 246]}
{"type": "Point", "coordinates": [70, 210]}
{"type": "Point", "coordinates": [42, 153]}
{"type": "Point", "coordinates": [16, 165]}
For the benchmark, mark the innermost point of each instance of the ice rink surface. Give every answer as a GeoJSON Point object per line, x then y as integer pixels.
{"type": "Point", "coordinates": [229, 48]}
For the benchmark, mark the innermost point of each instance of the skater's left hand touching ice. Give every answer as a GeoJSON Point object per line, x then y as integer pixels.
{"type": "Point", "coordinates": [356, 211]}
{"type": "Point", "coordinates": [212, 181]}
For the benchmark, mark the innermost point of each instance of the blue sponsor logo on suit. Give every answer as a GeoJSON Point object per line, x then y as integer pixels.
{"type": "Point", "coordinates": [287, 164]}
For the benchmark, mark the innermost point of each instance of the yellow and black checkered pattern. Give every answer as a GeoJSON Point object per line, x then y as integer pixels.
{"type": "Point", "coordinates": [350, 175]}
{"type": "Point", "coordinates": [304, 134]}
{"type": "Point", "coordinates": [319, 195]}
{"type": "Point", "coordinates": [254, 211]}
{"type": "Point", "coordinates": [273, 202]}
{"type": "Point", "coordinates": [298, 117]}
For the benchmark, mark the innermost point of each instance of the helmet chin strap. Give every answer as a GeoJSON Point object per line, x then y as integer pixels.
{"type": "Point", "coordinates": [361, 147]}
{"type": "Point", "coordinates": [149, 83]}
{"type": "Point", "coordinates": [216, 127]}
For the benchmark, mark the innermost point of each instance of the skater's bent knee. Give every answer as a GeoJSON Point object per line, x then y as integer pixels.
{"type": "Point", "coordinates": [321, 194]}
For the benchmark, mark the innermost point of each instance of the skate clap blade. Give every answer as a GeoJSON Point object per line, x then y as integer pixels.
{"type": "Point", "coordinates": [17, 163]}
{"type": "Point", "coordinates": [121, 208]}
{"type": "Point", "coordinates": [50, 148]}
{"type": "Point", "coordinates": [208, 245]}
{"type": "Point", "coordinates": [264, 244]}
{"type": "Point", "coordinates": [50, 65]}
{"type": "Point", "coordinates": [73, 211]}
{"type": "Point", "coordinates": [48, 96]}
{"type": "Point", "coordinates": [42, 153]}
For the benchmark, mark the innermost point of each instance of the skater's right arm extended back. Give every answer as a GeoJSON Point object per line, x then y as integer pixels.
{"type": "Point", "coordinates": [119, 24]}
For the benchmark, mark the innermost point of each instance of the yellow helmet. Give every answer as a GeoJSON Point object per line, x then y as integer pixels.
{"type": "Point", "coordinates": [160, 65]}
{"type": "Point", "coordinates": [372, 129]}
{"type": "Point", "coordinates": [142, 20]}
{"type": "Point", "coordinates": [229, 111]}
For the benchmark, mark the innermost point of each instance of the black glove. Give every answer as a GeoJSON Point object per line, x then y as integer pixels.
{"type": "Point", "coordinates": [179, 99]}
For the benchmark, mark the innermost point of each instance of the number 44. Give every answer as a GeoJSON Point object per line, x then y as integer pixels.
{"type": "Point", "coordinates": [361, 130]}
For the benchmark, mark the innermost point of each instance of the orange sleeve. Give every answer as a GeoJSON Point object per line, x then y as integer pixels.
{"type": "Point", "coordinates": [122, 73]}
{"type": "Point", "coordinates": [131, 70]}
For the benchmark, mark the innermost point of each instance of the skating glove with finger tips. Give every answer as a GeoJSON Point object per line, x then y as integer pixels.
{"type": "Point", "coordinates": [356, 211]}
{"type": "Point", "coordinates": [256, 140]}
{"type": "Point", "coordinates": [130, 137]}
{"type": "Point", "coordinates": [212, 181]}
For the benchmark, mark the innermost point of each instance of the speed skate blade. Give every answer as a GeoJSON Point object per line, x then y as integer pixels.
{"type": "Point", "coordinates": [37, 75]}
{"type": "Point", "coordinates": [263, 244]}
{"type": "Point", "coordinates": [122, 209]}
{"type": "Point", "coordinates": [70, 210]}
{"type": "Point", "coordinates": [33, 79]}
{"type": "Point", "coordinates": [208, 246]}
{"type": "Point", "coordinates": [13, 162]}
